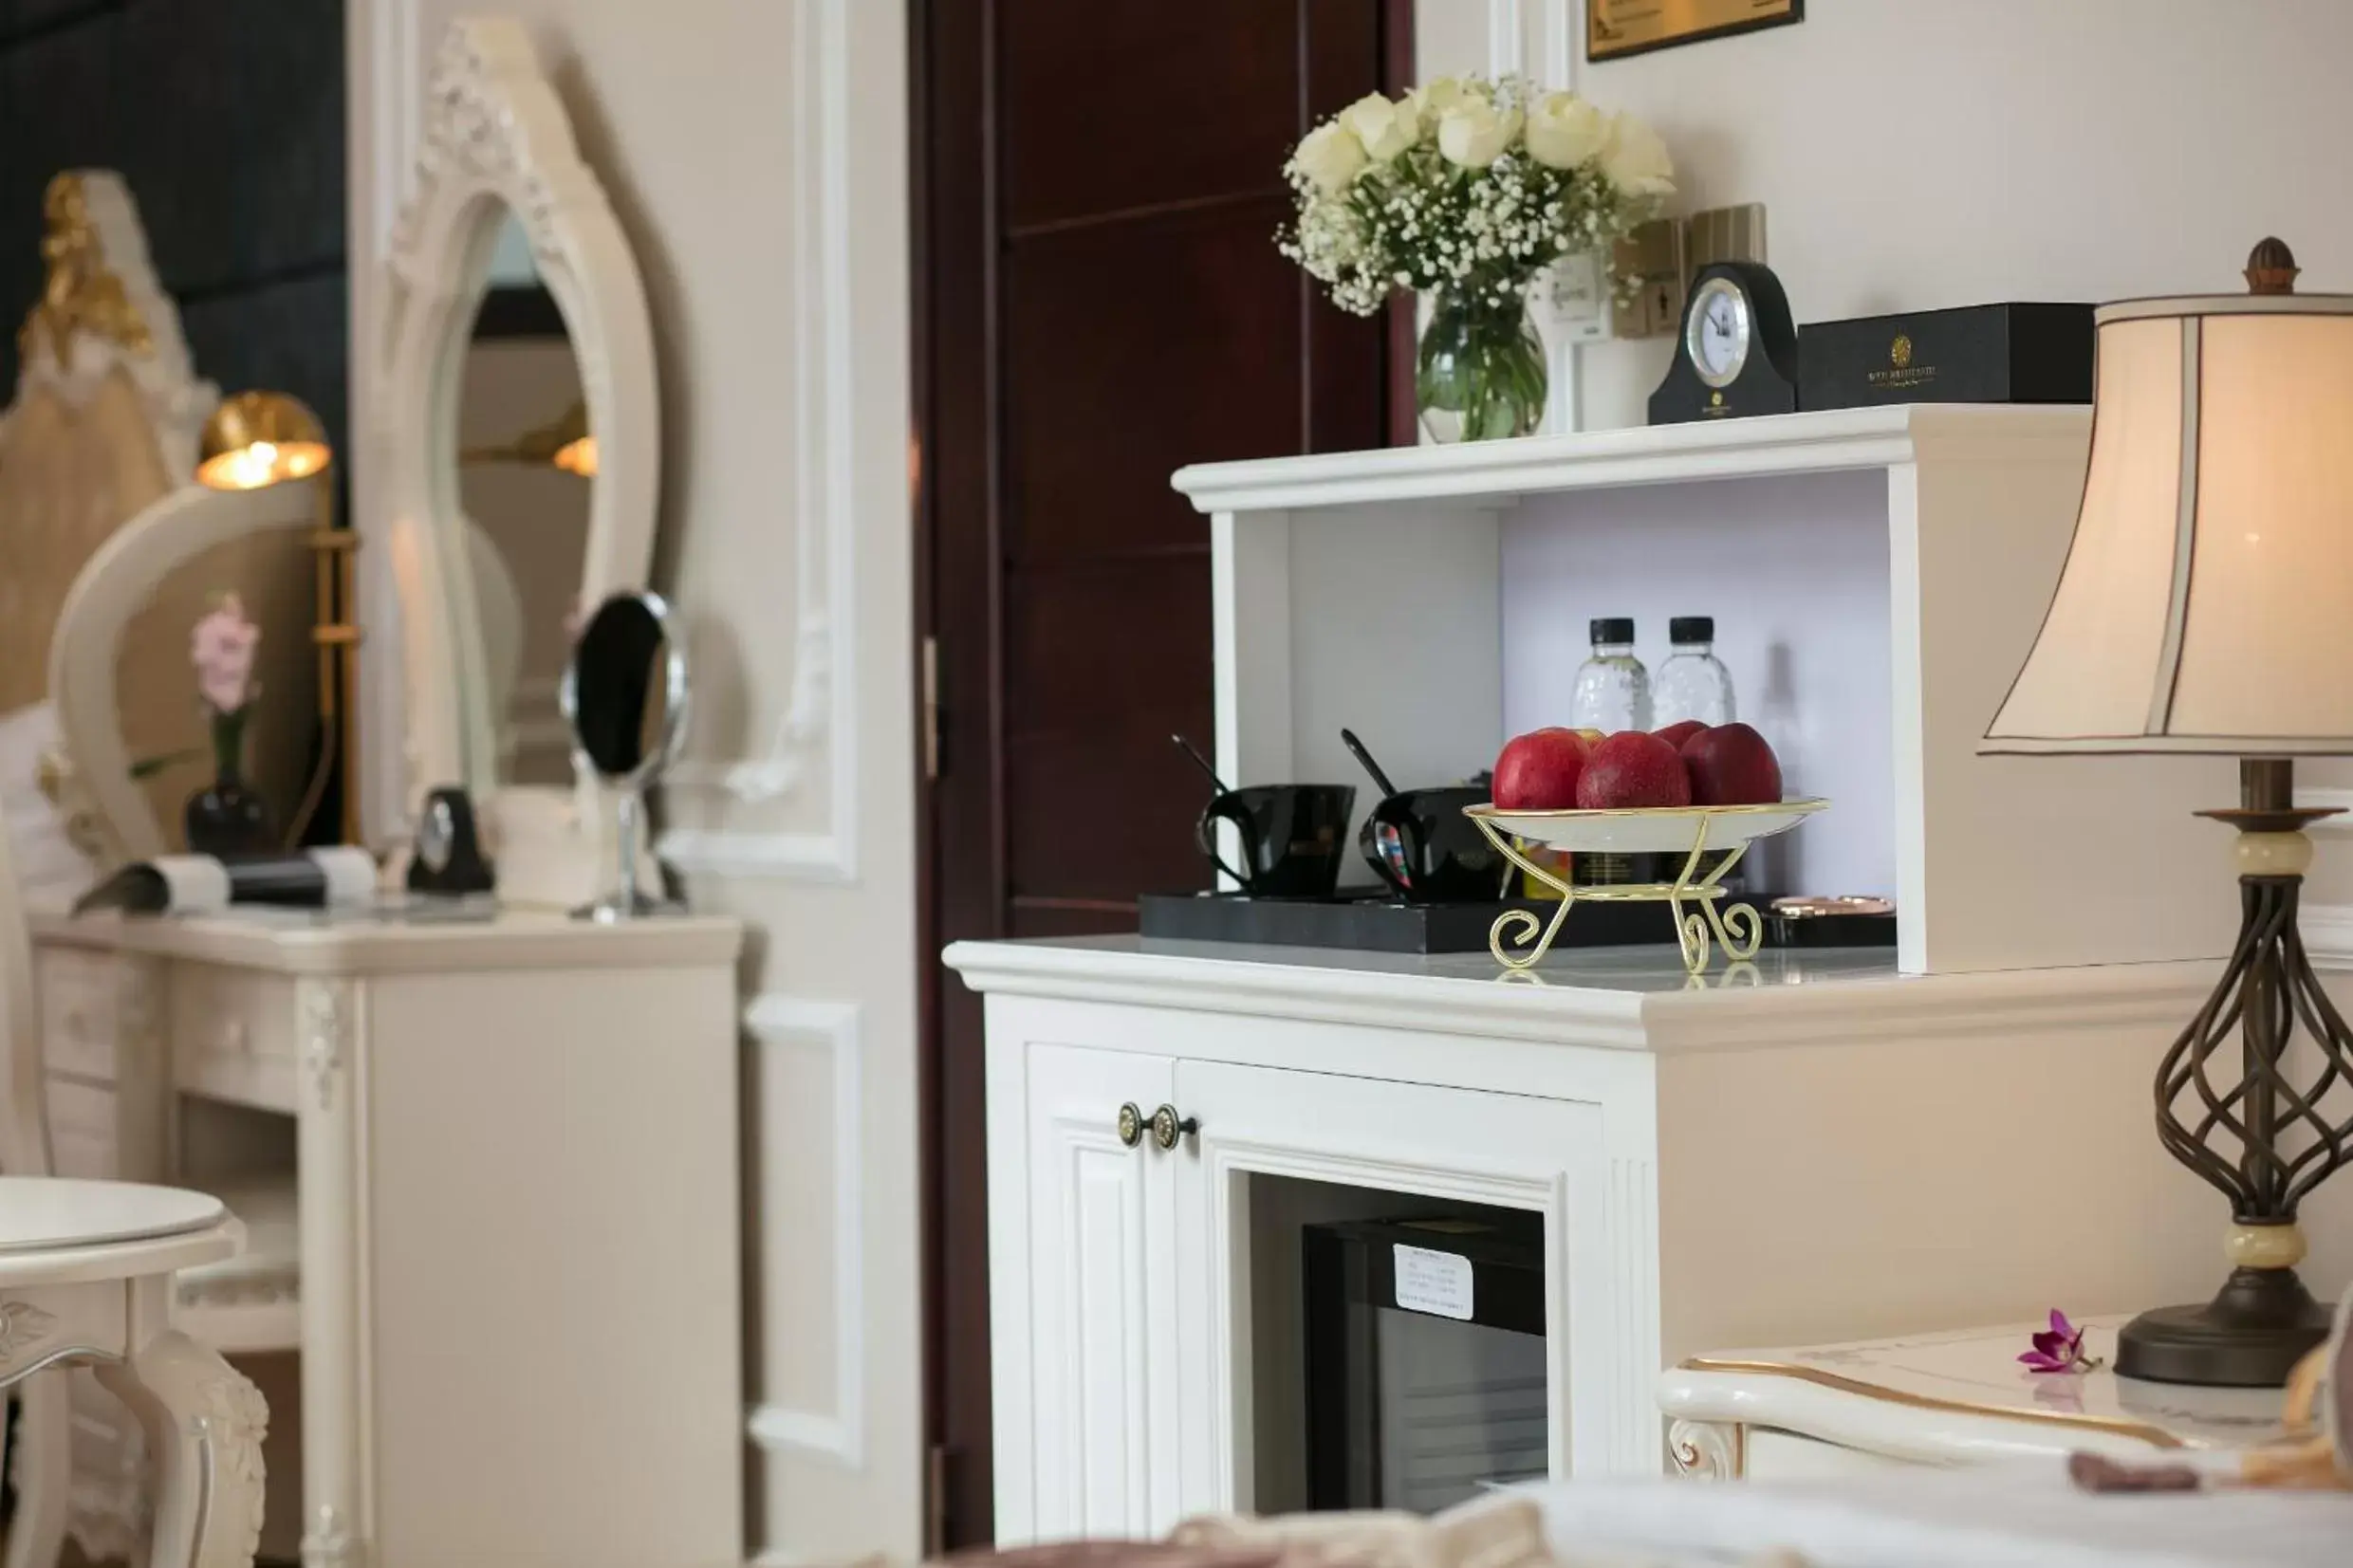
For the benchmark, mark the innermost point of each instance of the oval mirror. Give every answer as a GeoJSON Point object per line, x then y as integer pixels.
{"type": "Point", "coordinates": [525, 463]}
{"type": "Point", "coordinates": [517, 416]}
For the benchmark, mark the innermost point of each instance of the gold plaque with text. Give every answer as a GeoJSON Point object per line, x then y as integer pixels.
{"type": "Point", "coordinates": [1615, 28]}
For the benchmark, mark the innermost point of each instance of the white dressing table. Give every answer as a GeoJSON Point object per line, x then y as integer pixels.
{"type": "Point", "coordinates": [519, 1207]}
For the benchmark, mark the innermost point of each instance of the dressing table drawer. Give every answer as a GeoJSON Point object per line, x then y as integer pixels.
{"type": "Point", "coordinates": [85, 1131]}
{"type": "Point", "coordinates": [232, 1035]}
{"type": "Point", "coordinates": [77, 990]}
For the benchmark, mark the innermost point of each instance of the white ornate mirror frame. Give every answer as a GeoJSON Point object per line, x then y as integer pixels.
{"type": "Point", "coordinates": [495, 139]}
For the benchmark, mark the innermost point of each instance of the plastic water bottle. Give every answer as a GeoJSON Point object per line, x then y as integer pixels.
{"type": "Point", "coordinates": [1694, 684]}
{"type": "Point", "coordinates": [1613, 689]}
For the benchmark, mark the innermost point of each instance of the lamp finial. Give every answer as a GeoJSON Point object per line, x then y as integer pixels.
{"type": "Point", "coordinates": [2271, 268]}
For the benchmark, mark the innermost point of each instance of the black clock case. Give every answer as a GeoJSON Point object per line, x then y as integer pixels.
{"type": "Point", "coordinates": [1767, 383]}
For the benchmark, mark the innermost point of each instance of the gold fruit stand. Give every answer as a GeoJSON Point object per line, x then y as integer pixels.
{"type": "Point", "coordinates": [1710, 839]}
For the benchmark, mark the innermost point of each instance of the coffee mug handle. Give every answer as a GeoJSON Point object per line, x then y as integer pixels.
{"type": "Point", "coordinates": [1409, 840]}
{"type": "Point", "coordinates": [1204, 835]}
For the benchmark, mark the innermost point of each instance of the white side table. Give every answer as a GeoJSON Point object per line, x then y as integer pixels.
{"type": "Point", "coordinates": [86, 1277]}
{"type": "Point", "coordinates": [1938, 1399]}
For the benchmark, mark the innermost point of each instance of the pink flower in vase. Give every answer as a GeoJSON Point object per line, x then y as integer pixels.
{"type": "Point", "coordinates": [2058, 1349]}
{"type": "Point", "coordinates": [221, 648]}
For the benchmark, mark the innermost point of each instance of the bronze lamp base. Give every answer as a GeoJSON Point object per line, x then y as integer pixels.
{"type": "Point", "coordinates": [2256, 1122]}
{"type": "Point", "coordinates": [2251, 1336]}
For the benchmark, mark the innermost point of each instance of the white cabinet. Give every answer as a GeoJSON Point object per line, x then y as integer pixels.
{"type": "Point", "coordinates": [1103, 1288]}
{"type": "Point", "coordinates": [1800, 1155]}
{"type": "Point", "coordinates": [1129, 1379]}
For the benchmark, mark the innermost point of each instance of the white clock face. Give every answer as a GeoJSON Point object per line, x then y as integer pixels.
{"type": "Point", "coordinates": [1718, 336]}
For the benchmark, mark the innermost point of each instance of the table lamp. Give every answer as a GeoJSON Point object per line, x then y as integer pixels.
{"type": "Point", "coordinates": [256, 439]}
{"type": "Point", "coordinates": [564, 442]}
{"type": "Point", "coordinates": [2206, 606]}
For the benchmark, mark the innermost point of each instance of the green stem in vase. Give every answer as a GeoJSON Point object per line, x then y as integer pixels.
{"type": "Point", "coordinates": [229, 744]}
{"type": "Point", "coordinates": [1480, 373]}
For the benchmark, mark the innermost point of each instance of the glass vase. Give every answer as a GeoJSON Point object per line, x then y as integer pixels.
{"type": "Point", "coordinates": [227, 819]}
{"type": "Point", "coordinates": [1480, 375]}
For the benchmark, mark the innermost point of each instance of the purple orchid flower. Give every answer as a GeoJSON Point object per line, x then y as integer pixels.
{"type": "Point", "coordinates": [2058, 1349]}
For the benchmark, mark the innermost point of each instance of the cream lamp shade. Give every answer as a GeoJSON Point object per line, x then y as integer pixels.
{"type": "Point", "coordinates": [2206, 600]}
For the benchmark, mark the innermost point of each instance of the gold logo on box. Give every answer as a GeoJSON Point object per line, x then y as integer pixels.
{"type": "Point", "coordinates": [1904, 374]}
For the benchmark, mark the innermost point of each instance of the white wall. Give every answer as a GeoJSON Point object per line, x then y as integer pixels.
{"type": "Point", "coordinates": [1921, 153]}
{"type": "Point", "coordinates": [756, 154]}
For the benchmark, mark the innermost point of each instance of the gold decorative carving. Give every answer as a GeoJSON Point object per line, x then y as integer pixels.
{"type": "Point", "coordinates": [2156, 1437]}
{"type": "Point", "coordinates": [80, 294]}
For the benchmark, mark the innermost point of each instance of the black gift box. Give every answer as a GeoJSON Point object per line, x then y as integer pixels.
{"type": "Point", "coordinates": [1980, 354]}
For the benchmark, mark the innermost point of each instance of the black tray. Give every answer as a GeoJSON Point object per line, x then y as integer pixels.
{"type": "Point", "coordinates": [1374, 923]}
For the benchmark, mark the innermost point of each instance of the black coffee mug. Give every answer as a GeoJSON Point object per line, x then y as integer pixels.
{"type": "Point", "coordinates": [1421, 844]}
{"type": "Point", "coordinates": [1291, 837]}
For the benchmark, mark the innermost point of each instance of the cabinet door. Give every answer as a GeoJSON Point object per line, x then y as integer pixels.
{"type": "Point", "coordinates": [1102, 1288]}
{"type": "Point", "coordinates": [1373, 1149]}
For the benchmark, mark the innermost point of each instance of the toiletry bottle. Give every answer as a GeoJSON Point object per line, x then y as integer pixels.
{"type": "Point", "coordinates": [1613, 689]}
{"type": "Point", "coordinates": [1694, 684]}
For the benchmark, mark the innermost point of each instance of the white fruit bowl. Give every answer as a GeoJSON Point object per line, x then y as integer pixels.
{"type": "Point", "coordinates": [1649, 830]}
{"type": "Point", "coordinates": [1704, 842]}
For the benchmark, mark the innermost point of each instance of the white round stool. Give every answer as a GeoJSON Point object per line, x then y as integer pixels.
{"type": "Point", "coordinates": [86, 1277]}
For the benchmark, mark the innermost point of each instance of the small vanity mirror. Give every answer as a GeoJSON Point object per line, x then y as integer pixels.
{"type": "Point", "coordinates": [526, 463]}
{"type": "Point", "coordinates": [625, 697]}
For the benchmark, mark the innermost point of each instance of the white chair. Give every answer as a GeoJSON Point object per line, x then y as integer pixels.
{"type": "Point", "coordinates": [114, 385]}
{"type": "Point", "coordinates": [86, 1277]}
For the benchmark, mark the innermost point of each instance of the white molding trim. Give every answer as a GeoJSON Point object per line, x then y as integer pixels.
{"type": "Point", "coordinates": [2328, 800]}
{"type": "Point", "coordinates": [727, 851]}
{"type": "Point", "coordinates": [2327, 933]}
{"type": "Point", "coordinates": [822, 713]}
{"type": "Point", "coordinates": [2327, 928]}
{"type": "Point", "coordinates": [383, 49]}
{"type": "Point", "coordinates": [779, 1022]}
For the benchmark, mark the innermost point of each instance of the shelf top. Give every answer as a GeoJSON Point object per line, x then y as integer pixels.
{"type": "Point", "coordinates": [391, 939]}
{"type": "Point", "coordinates": [1635, 998]}
{"type": "Point", "coordinates": [1757, 447]}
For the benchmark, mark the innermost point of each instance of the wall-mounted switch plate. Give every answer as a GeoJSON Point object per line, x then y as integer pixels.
{"type": "Point", "coordinates": [1571, 300]}
{"type": "Point", "coordinates": [1652, 258]}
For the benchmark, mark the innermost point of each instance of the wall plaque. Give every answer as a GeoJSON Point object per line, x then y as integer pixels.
{"type": "Point", "coordinates": [1615, 28]}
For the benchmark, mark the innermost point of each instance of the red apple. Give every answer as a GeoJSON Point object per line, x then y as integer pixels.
{"type": "Point", "coordinates": [1679, 732]}
{"type": "Point", "coordinates": [1633, 768]}
{"type": "Point", "coordinates": [1730, 765]}
{"type": "Point", "coordinates": [1538, 771]}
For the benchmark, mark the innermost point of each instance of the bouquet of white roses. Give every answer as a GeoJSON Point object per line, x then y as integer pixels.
{"type": "Point", "coordinates": [1467, 186]}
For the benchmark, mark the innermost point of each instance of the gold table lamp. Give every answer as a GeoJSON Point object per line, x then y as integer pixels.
{"type": "Point", "coordinates": [564, 442]}
{"type": "Point", "coordinates": [2207, 607]}
{"type": "Point", "coordinates": [256, 439]}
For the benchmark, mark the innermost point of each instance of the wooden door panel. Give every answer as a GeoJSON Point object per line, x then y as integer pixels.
{"type": "Point", "coordinates": [1119, 105]}
{"type": "Point", "coordinates": [1102, 819]}
{"type": "Point", "coordinates": [1093, 645]}
{"type": "Point", "coordinates": [1131, 350]}
{"type": "Point", "coordinates": [1099, 301]}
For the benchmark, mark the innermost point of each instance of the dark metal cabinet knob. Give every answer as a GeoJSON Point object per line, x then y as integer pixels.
{"type": "Point", "coordinates": [1131, 1125]}
{"type": "Point", "coordinates": [1167, 1128]}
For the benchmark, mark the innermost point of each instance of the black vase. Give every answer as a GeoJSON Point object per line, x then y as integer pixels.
{"type": "Point", "coordinates": [228, 821]}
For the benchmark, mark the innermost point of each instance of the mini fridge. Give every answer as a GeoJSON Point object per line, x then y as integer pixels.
{"type": "Point", "coordinates": [1425, 1358]}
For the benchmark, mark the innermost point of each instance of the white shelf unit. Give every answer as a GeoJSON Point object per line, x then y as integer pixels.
{"type": "Point", "coordinates": [1877, 576]}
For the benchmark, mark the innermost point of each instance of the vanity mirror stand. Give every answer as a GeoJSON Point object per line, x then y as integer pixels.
{"type": "Point", "coordinates": [625, 697]}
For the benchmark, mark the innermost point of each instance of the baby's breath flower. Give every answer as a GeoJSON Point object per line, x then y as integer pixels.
{"type": "Point", "coordinates": [1413, 220]}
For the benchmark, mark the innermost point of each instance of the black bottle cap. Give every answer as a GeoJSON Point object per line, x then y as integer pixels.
{"type": "Point", "coordinates": [1611, 629]}
{"type": "Point", "coordinates": [1691, 629]}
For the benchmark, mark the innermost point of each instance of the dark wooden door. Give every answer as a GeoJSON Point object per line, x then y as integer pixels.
{"type": "Point", "coordinates": [1099, 301]}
